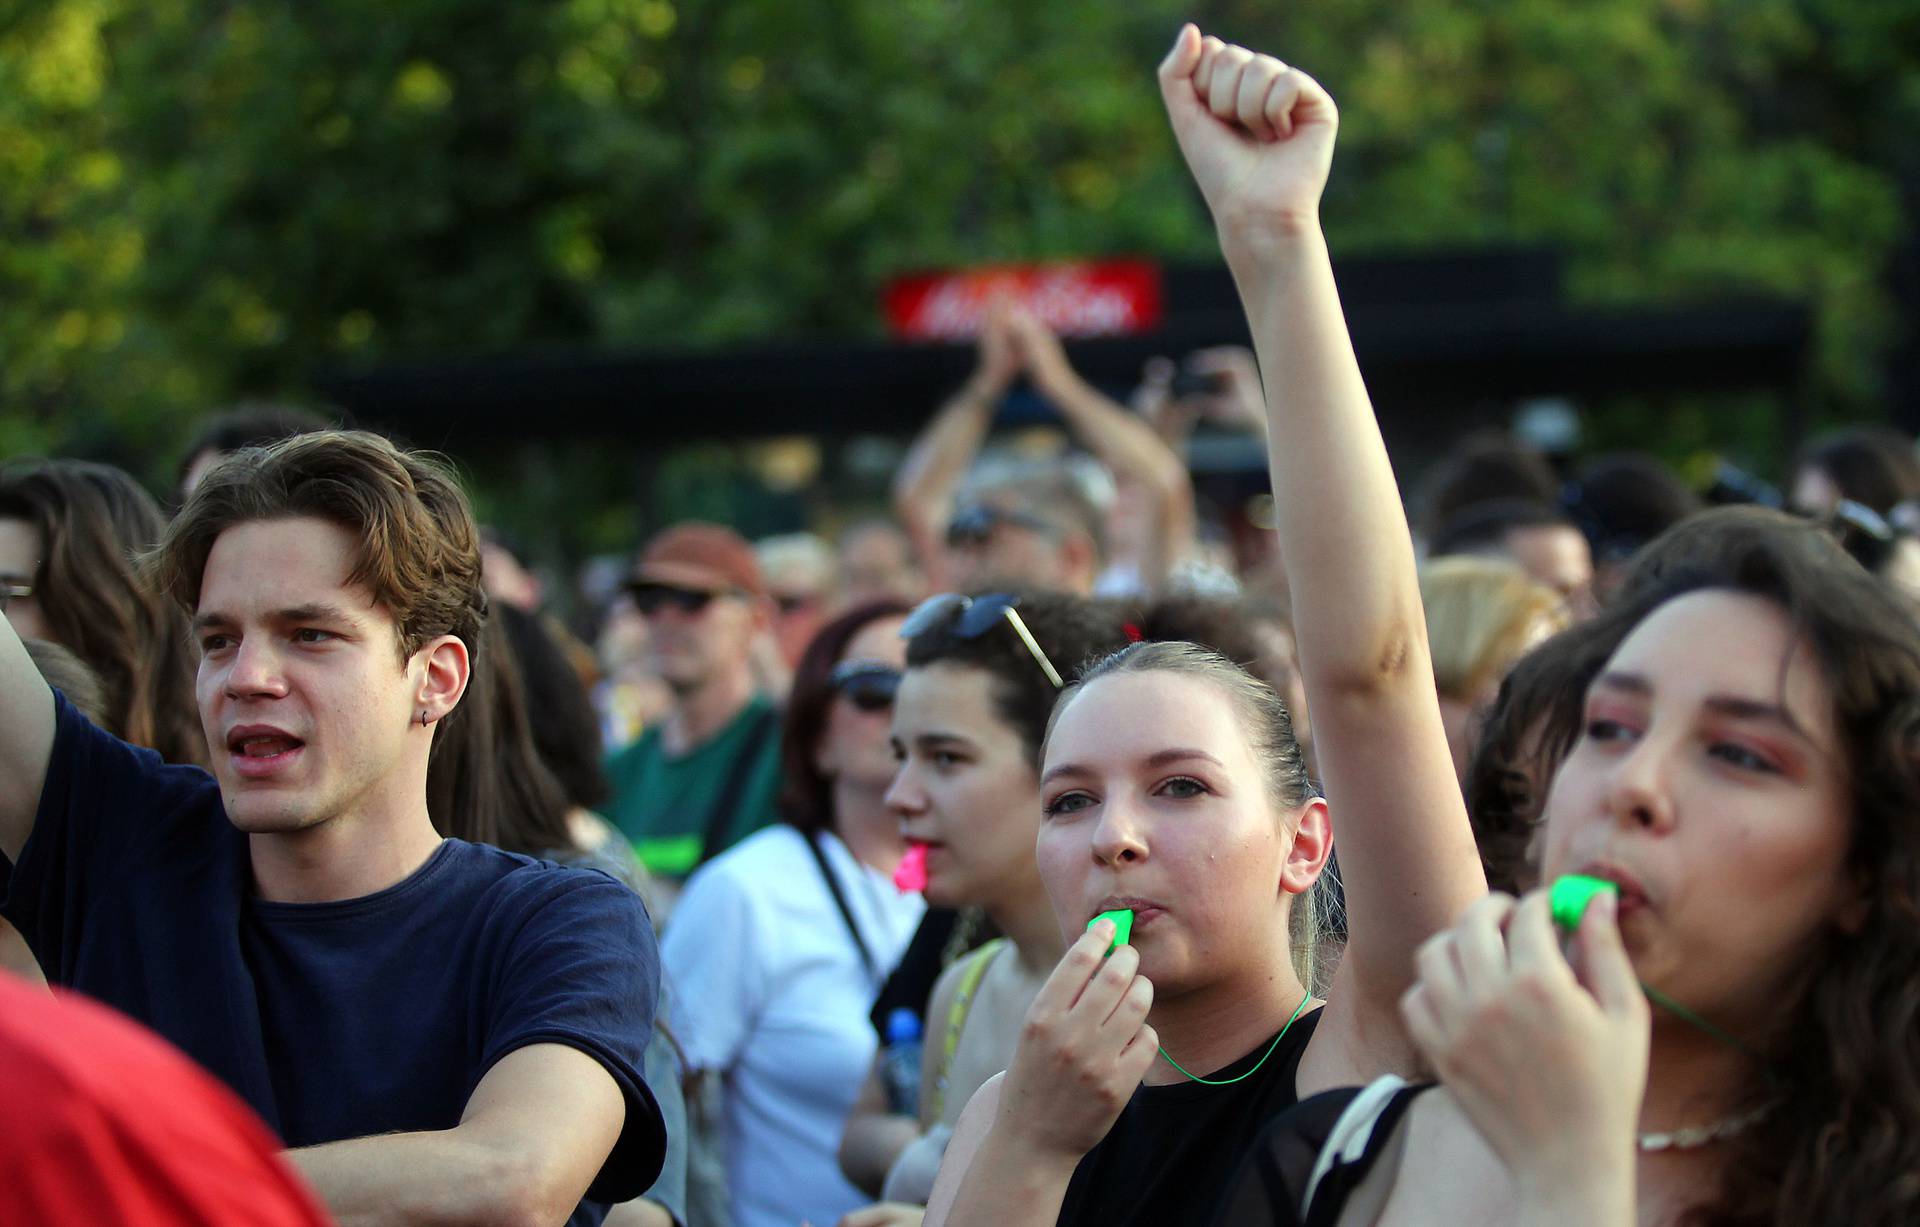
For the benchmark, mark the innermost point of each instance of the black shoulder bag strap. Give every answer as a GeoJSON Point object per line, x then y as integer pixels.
{"type": "Point", "coordinates": [840, 901]}
{"type": "Point", "coordinates": [720, 818]}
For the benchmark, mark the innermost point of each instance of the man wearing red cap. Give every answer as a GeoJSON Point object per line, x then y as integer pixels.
{"type": "Point", "coordinates": [705, 776]}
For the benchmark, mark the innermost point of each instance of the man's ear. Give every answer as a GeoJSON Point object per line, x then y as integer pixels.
{"type": "Point", "coordinates": [1312, 845]}
{"type": "Point", "coordinates": [446, 668]}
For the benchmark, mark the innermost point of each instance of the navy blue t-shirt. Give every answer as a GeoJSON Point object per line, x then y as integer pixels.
{"type": "Point", "coordinates": [333, 1020]}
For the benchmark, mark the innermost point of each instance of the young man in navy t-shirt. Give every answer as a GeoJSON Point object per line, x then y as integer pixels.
{"type": "Point", "coordinates": [439, 1031]}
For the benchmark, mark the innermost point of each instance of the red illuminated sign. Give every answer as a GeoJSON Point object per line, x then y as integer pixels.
{"type": "Point", "coordinates": [1105, 298]}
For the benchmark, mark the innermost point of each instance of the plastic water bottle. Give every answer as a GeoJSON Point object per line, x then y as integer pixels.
{"type": "Point", "coordinates": [900, 1062]}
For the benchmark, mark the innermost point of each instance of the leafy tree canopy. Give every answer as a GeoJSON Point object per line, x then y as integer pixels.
{"type": "Point", "coordinates": [200, 202]}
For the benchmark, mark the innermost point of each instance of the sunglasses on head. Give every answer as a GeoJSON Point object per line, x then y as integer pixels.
{"type": "Point", "coordinates": [650, 599]}
{"type": "Point", "coordinates": [868, 684]}
{"type": "Point", "coordinates": [973, 617]}
{"type": "Point", "coordinates": [974, 525]}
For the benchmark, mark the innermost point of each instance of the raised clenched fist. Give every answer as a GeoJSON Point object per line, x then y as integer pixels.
{"type": "Point", "coordinates": [1258, 135]}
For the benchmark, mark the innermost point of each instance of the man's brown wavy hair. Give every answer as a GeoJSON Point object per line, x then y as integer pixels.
{"type": "Point", "coordinates": [419, 554]}
{"type": "Point", "coordinates": [1840, 1142]}
{"type": "Point", "coordinates": [94, 522]}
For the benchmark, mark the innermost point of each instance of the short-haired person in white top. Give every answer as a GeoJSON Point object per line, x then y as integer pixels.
{"type": "Point", "coordinates": [1159, 786]}
{"type": "Point", "coordinates": [778, 946]}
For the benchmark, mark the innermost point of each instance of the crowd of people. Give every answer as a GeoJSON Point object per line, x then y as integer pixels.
{"type": "Point", "coordinates": [1057, 848]}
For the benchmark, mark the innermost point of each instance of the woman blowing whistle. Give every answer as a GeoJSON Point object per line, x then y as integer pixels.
{"type": "Point", "coordinates": [1171, 785]}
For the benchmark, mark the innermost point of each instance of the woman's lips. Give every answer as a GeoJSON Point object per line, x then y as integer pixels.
{"type": "Point", "coordinates": [1144, 912]}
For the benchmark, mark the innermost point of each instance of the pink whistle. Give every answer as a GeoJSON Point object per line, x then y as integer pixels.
{"type": "Point", "coordinates": [911, 873]}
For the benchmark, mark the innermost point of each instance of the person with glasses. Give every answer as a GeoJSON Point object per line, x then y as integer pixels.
{"type": "Point", "coordinates": [70, 534]}
{"type": "Point", "coordinates": [1038, 529]}
{"type": "Point", "coordinates": [778, 945]}
{"type": "Point", "coordinates": [704, 777]}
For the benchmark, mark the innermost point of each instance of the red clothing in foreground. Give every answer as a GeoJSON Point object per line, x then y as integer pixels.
{"type": "Point", "coordinates": [103, 1122]}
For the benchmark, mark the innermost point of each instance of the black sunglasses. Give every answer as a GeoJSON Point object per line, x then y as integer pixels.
{"type": "Point", "coordinates": [974, 617]}
{"type": "Point", "coordinates": [868, 684]}
{"type": "Point", "coordinates": [650, 599]}
{"type": "Point", "coordinates": [975, 524]}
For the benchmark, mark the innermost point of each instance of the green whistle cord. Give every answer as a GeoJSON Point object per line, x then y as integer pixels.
{"type": "Point", "coordinates": [1263, 1059]}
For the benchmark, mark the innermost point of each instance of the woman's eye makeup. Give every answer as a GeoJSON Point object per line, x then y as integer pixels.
{"type": "Point", "coordinates": [1608, 721]}
{"type": "Point", "coordinates": [1745, 756]}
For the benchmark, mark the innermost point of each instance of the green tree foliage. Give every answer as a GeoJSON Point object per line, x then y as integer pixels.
{"type": "Point", "coordinates": [202, 201]}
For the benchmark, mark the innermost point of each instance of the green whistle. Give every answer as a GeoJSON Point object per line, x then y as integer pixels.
{"type": "Point", "coordinates": [1571, 895]}
{"type": "Point", "coordinates": [1122, 919]}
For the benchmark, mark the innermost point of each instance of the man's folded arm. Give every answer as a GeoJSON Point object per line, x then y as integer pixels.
{"type": "Point", "coordinates": [534, 1135]}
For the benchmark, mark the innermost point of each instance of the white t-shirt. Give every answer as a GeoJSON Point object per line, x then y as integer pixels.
{"type": "Point", "coordinates": [766, 986]}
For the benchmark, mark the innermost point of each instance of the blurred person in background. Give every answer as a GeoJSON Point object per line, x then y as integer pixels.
{"type": "Point", "coordinates": [1032, 535]}
{"type": "Point", "coordinates": [1484, 466]}
{"type": "Point", "coordinates": [1870, 465]}
{"type": "Point", "coordinates": [1483, 615]}
{"type": "Point", "coordinates": [1621, 502]}
{"type": "Point", "coordinates": [875, 562]}
{"type": "Point", "coordinates": [778, 946]}
{"type": "Point", "coordinates": [799, 572]}
{"type": "Point", "coordinates": [1218, 386]}
{"type": "Point", "coordinates": [504, 570]}
{"type": "Point", "coordinates": [703, 777]}
{"type": "Point", "coordinates": [629, 696]}
{"type": "Point", "coordinates": [565, 730]}
{"type": "Point", "coordinates": [1542, 540]}
{"type": "Point", "coordinates": [249, 425]}
{"type": "Point", "coordinates": [71, 534]}
{"type": "Point", "coordinates": [1034, 528]}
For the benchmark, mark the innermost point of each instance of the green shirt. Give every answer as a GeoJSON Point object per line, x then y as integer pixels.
{"type": "Point", "coordinates": [662, 804]}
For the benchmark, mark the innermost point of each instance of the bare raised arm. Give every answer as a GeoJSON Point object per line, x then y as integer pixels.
{"type": "Point", "coordinates": [936, 464]}
{"type": "Point", "coordinates": [1259, 138]}
{"type": "Point", "coordinates": [1122, 440]}
{"type": "Point", "coordinates": [535, 1133]}
{"type": "Point", "coordinates": [26, 741]}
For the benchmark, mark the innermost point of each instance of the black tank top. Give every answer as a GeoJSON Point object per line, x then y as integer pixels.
{"type": "Point", "coordinates": [1310, 1162]}
{"type": "Point", "coordinates": [1170, 1156]}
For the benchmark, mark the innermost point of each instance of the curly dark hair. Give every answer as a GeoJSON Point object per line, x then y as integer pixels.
{"type": "Point", "coordinates": [1842, 1141]}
